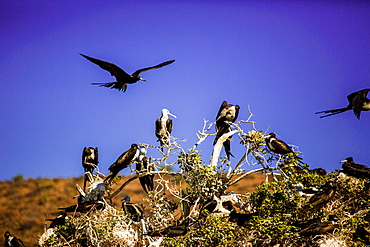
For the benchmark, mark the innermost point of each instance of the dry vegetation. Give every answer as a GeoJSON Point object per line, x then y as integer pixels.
{"type": "Point", "coordinates": [25, 204]}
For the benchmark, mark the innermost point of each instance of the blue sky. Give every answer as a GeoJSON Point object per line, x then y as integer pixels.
{"type": "Point", "coordinates": [284, 59]}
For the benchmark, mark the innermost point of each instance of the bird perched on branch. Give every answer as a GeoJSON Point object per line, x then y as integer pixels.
{"type": "Point", "coordinates": [163, 127]}
{"type": "Point", "coordinates": [89, 161]}
{"type": "Point", "coordinates": [122, 78]}
{"type": "Point", "coordinates": [227, 114]}
{"type": "Point", "coordinates": [172, 231]}
{"type": "Point", "coordinates": [357, 102]}
{"type": "Point", "coordinates": [147, 182]}
{"type": "Point", "coordinates": [276, 145]}
{"type": "Point", "coordinates": [12, 241]}
{"type": "Point", "coordinates": [320, 228]}
{"type": "Point", "coordinates": [134, 212]}
{"type": "Point", "coordinates": [84, 207]}
{"type": "Point", "coordinates": [355, 170]}
{"type": "Point", "coordinates": [123, 161]}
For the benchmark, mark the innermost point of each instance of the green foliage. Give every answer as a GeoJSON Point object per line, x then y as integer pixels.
{"type": "Point", "coordinates": [18, 177]}
{"type": "Point", "coordinates": [209, 231]}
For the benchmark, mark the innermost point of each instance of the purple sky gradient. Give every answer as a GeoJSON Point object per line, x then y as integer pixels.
{"type": "Point", "coordinates": [284, 59]}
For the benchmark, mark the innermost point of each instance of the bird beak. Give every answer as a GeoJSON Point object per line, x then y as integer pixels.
{"type": "Point", "coordinates": [343, 161]}
{"type": "Point", "coordinates": [141, 79]}
{"type": "Point", "coordinates": [171, 115]}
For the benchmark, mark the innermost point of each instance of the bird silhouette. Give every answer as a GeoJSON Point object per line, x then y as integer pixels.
{"type": "Point", "coordinates": [89, 161]}
{"type": "Point", "coordinates": [122, 78]}
{"type": "Point", "coordinates": [123, 161]}
{"type": "Point", "coordinates": [12, 241]}
{"type": "Point", "coordinates": [133, 210]}
{"type": "Point", "coordinates": [227, 114]}
{"type": "Point", "coordinates": [147, 182]}
{"type": "Point", "coordinates": [355, 170]}
{"type": "Point", "coordinates": [357, 102]}
{"type": "Point", "coordinates": [163, 127]}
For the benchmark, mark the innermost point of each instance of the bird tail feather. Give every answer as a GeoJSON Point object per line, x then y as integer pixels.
{"type": "Point", "coordinates": [333, 112]}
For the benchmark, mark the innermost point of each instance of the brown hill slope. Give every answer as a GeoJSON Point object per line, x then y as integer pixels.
{"type": "Point", "coordinates": [25, 204]}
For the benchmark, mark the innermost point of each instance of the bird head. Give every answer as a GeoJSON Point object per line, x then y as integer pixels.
{"type": "Point", "coordinates": [126, 198]}
{"type": "Point", "coordinates": [166, 112]}
{"type": "Point", "coordinates": [7, 234]}
{"type": "Point", "coordinates": [347, 160]}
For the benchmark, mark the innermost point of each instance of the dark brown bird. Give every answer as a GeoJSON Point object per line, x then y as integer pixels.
{"type": "Point", "coordinates": [172, 231]}
{"type": "Point", "coordinates": [276, 145]}
{"type": "Point", "coordinates": [357, 102]}
{"type": "Point", "coordinates": [12, 241]}
{"type": "Point", "coordinates": [122, 78]}
{"type": "Point", "coordinates": [325, 193]}
{"type": "Point", "coordinates": [147, 182]}
{"type": "Point", "coordinates": [84, 207]}
{"type": "Point", "coordinates": [355, 170]}
{"type": "Point", "coordinates": [133, 211]}
{"type": "Point", "coordinates": [89, 161]}
{"type": "Point", "coordinates": [319, 228]}
{"type": "Point", "coordinates": [227, 114]}
{"type": "Point", "coordinates": [163, 127]}
{"type": "Point", "coordinates": [240, 219]}
{"type": "Point", "coordinates": [123, 161]}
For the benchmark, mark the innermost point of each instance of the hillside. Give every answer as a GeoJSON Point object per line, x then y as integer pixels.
{"type": "Point", "coordinates": [25, 204]}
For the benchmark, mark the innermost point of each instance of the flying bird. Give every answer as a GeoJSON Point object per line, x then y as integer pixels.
{"type": "Point", "coordinates": [147, 182]}
{"type": "Point", "coordinates": [12, 241]}
{"type": "Point", "coordinates": [227, 114]}
{"type": "Point", "coordinates": [163, 127]}
{"type": "Point", "coordinates": [132, 210]}
{"type": "Point", "coordinates": [123, 161]}
{"type": "Point", "coordinates": [122, 78]}
{"type": "Point", "coordinates": [355, 170]}
{"type": "Point", "coordinates": [89, 161]}
{"type": "Point", "coordinates": [357, 102]}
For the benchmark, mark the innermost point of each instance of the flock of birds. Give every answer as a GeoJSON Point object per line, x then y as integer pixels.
{"type": "Point", "coordinates": [226, 116]}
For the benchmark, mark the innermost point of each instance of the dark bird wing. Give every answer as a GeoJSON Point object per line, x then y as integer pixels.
{"type": "Point", "coordinates": [357, 100]}
{"type": "Point", "coordinates": [169, 125]}
{"type": "Point", "coordinates": [96, 156]}
{"type": "Point", "coordinates": [279, 146]}
{"type": "Point", "coordinates": [158, 128]}
{"type": "Point", "coordinates": [223, 105]}
{"type": "Point", "coordinates": [112, 68]}
{"type": "Point", "coordinates": [137, 72]}
{"type": "Point", "coordinates": [228, 149]}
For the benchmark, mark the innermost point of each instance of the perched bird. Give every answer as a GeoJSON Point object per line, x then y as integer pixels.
{"type": "Point", "coordinates": [123, 161]}
{"type": "Point", "coordinates": [147, 182]}
{"type": "Point", "coordinates": [240, 219]}
{"type": "Point", "coordinates": [325, 193]}
{"type": "Point", "coordinates": [172, 231]}
{"type": "Point", "coordinates": [227, 114]}
{"type": "Point", "coordinates": [12, 241]}
{"type": "Point", "coordinates": [122, 78]}
{"type": "Point", "coordinates": [89, 161]}
{"type": "Point", "coordinates": [357, 102]}
{"type": "Point", "coordinates": [84, 207]}
{"type": "Point", "coordinates": [217, 205]}
{"type": "Point", "coordinates": [319, 228]}
{"type": "Point", "coordinates": [276, 145]}
{"type": "Point", "coordinates": [59, 220]}
{"type": "Point", "coordinates": [355, 170]}
{"type": "Point", "coordinates": [163, 127]}
{"type": "Point", "coordinates": [132, 210]}
{"type": "Point", "coordinates": [318, 171]}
